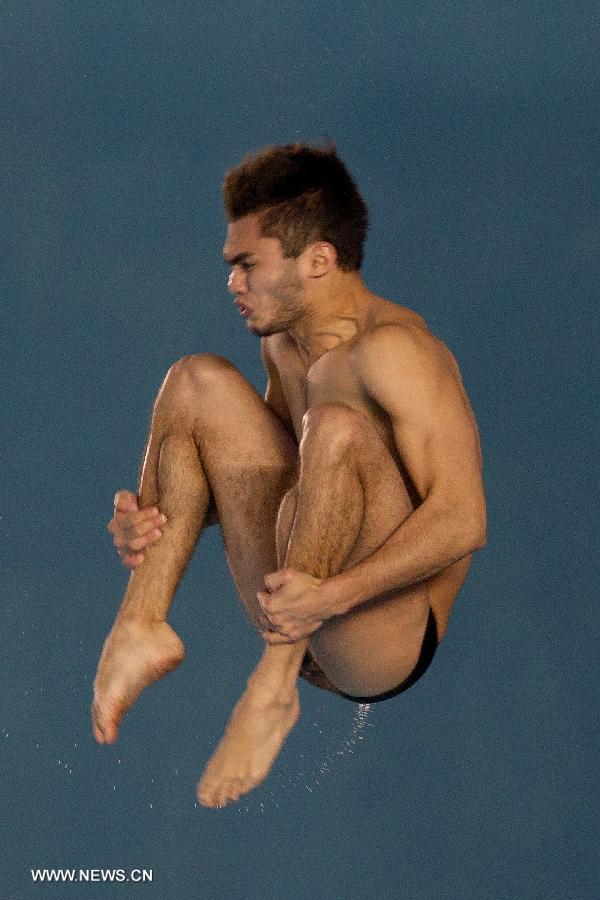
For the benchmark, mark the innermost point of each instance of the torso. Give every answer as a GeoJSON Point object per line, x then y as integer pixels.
{"type": "Point", "coordinates": [332, 378]}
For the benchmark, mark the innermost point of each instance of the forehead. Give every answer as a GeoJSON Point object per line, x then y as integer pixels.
{"type": "Point", "coordinates": [243, 236]}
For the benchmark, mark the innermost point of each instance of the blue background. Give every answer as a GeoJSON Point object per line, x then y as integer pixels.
{"type": "Point", "coordinates": [472, 130]}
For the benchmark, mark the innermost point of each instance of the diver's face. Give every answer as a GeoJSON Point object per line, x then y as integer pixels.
{"type": "Point", "coordinates": [268, 288]}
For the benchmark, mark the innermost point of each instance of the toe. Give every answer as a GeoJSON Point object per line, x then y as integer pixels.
{"type": "Point", "coordinates": [223, 797]}
{"type": "Point", "coordinates": [105, 723]}
{"type": "Point", "coordinates": [239, 787]}
{"type": "Point", "coordinates": [229, 794]}
{"type": "Point", "coordinates": [205, 794]}
{"type": "Point", "coordinates": [96, 727]}
{"type": "Point", "coordinates": [248, 784]}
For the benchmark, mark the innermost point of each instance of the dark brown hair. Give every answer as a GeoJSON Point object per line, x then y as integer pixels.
{"type": "Point", "coordinates": [302, 194]}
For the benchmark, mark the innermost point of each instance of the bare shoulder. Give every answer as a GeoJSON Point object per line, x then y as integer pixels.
{"type": "Point", "coordinates": [385, 312]}
{"type": "Point", "coordinates": [403, 344]}
{"type": "Point", "coordinates": [411, 374]}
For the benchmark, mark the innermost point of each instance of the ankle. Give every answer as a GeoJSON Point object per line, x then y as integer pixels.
{"type": "Point", "coordinates": [138, 620]}
{"type": "Point", "coordinates": [141, 604]}
{"type": "Point", "coordinates": [276, 674]}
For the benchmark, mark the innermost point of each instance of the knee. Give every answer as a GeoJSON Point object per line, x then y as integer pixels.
{"type": "Point", "coordinates": [200, 368]}
{"type": "Point", "coordinates": [335, 426]}
{"type": "Point", "coordinates": [195, 372]}
{"type": "Point", "coordinates": [190, 378]}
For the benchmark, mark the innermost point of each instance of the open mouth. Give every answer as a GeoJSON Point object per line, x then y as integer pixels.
{"type": "Point", "coordinates": [244, 311]}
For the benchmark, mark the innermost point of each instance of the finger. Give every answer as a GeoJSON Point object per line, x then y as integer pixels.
{"type": "Point", "coordinates": [139, 521]}
{"type": "Point", "coordinates": [260, 622]}
{"type": "Point", "coordinates": [149, 529]}
{"type": "Point", "coordinates": [273, 637]}
{"type": "Point", "coordinates": [125, 501]}
{"type": "Point", "coordinates": [275, 618]}
{"type": "Point", "coordinates": [264, 601]}
{"type": "Point", "coordinates": [139, 543]}
{"type": "Point", "coordinates": [125, 537]}
{"type": "Point", "coordinates": [132, 560]}
{"type": "Point", "coordinates": [125, 524]}
{"type": "Point", "coordinates": [274, 580]}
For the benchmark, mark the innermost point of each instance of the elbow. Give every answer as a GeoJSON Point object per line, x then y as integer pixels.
{"type": "Point", "coordinates": [476, 532]}
{"type": "Point", "coordinates": [479, 541]}
{"type": "Point", "coordinates": [465, 525]}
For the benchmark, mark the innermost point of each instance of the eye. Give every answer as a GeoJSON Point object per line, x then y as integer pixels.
{"type": "Point", "coordinates": [247, 266]}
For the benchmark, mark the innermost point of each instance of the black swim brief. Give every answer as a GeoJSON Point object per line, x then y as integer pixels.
{"type": "Point", "coordinates": [428, 648]}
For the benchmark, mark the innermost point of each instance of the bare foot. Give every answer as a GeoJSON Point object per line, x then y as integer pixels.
{"type": "Point", "coordinates": [254, 736]}
{"type": "Point", "coordinates": [134, 655]}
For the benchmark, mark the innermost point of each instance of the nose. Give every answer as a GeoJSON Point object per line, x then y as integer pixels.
{"type": "Point", "coordinates": [236, 283]}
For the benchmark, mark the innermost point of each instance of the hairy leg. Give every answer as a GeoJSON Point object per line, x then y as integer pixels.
{"type": "Point", "coordinates": [350, 497]}
{"type": "Point", "coordinates": [142, 646]}
{"type": "Point", "coordinates": [211, 436]}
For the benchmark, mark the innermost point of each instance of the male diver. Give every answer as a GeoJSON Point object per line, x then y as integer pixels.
{"type": "Point", "coordinates": [350, 499]}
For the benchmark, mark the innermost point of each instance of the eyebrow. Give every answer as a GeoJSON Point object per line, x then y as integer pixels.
{"type": "Point", "coordinates": [240, 257]}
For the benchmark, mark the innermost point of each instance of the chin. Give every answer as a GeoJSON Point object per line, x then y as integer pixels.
{"type": "Point", "coordinates": [266, 330]}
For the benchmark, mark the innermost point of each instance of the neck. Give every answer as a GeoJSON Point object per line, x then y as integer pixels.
{"type": "Point", "coordinates": [334, 312]}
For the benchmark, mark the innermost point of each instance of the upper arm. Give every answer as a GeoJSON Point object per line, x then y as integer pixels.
{"type": "Point", "coordinates": [414, 378]}
{"type": "Point", "coordinates": [274, 395]}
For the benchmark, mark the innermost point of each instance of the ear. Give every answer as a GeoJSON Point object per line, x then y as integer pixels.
{"type": "Point", "coordinates": [322, 259]}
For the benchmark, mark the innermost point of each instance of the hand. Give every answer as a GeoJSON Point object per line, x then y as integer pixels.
{"type": "Point", "coordinates": [134, 529]}
{"type": "Point", "coordinates": [293, 606]}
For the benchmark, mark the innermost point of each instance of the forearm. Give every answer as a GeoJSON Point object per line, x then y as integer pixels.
{"type": "Point", "coordinates": [428, 541]}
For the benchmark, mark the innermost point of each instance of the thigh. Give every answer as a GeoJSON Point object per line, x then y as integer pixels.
{"type": "Point", "coordinates": [249, 459]}
{"type": "Point", "coordinates": [375, 646]}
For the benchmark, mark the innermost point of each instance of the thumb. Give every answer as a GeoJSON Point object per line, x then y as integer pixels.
{"type": "Point", "coordinates": [125, 501]}
{"type": "Point", "coordinates": [275, 580]}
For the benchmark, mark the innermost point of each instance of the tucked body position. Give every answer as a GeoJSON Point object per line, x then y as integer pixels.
{"type": "Point", "coordinates": [350, 498]}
